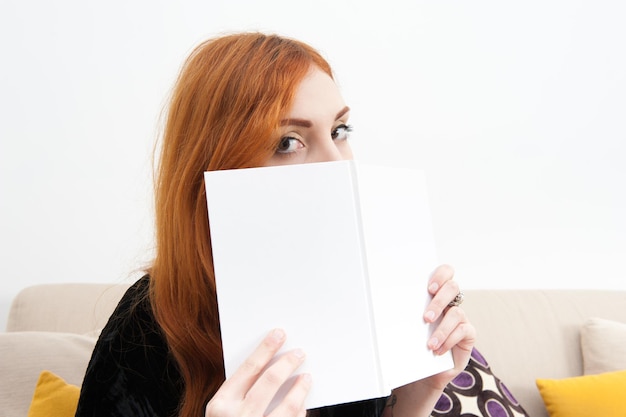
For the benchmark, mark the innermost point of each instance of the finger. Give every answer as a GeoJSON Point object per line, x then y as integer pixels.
{"type": "Point", "coordinates": [248, 372]}
{"type": "Point", "coordinates": [462, 338]}
{"type": "Point", "coordinates": [444, 335]}
{"type": "Point", "coordinates": [441, 275]}
{"type": "Point", "coordinates": [293, 403]}
{"type": "Point", "coordinates": [269, 382]}
{"type": "Point", "coordinates": [461, 357]}
{"type": "Point", "coordinates": [440, 300]}
{"type": "Point", "coordinates": [462, 351]}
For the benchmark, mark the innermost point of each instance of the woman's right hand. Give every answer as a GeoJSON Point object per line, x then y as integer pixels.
{"type": "Point", "coordinates": [249, 391]}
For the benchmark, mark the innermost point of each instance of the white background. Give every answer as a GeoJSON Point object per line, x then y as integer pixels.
{"type": "Point", "coordinates": [515, 110]}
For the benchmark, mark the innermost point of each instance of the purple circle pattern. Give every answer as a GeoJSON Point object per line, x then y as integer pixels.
{"type": "Point", "coordinates": [444, 404]}
{"type": "Point", "coordinates": [467, 388]}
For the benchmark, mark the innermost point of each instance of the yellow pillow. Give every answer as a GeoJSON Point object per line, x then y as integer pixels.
{"type": "Point", "coordinates": [53, 397]}
{"type": "Point", "coordinates": [583, 396]}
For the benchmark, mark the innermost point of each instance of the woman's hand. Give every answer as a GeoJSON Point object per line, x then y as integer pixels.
{"type": "Point", "coordinates": [454, 332]}
{"type": "Point", "coordinates": [249, 391]}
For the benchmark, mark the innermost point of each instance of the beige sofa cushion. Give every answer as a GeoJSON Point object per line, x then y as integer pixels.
{"type": "Point", "coordinates": [72, 308]}
{"type": "Point", "coordinates": [603, 343]}
{"type": "Point", "coordinates": [23, 355]}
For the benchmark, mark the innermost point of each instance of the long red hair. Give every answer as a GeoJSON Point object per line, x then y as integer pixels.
{"type": "Point", "coordinates": [224, 111]}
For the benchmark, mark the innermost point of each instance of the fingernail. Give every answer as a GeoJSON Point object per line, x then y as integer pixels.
{"type": "Point", "coordinates": [299, 353]}
{"type": "Point", "coordinates": [433, 343]}
{"type": "Point", "coordinates": [430, 315]}
{"type": "Point", "coordinates": [306, 378]}
{"type": "Point", "coordinates": [433, 288]}
{"type": "Point", "coordinates": [277, 335]}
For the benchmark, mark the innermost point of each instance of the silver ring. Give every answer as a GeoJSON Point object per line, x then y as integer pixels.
{"type": "Point", "coordinates": [458, 300]}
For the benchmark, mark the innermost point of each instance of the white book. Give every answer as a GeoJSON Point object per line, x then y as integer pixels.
{"type": "Point", "coordinates": [337, 254]}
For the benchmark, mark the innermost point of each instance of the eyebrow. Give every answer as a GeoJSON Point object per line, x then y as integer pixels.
{"type": "Point", "coordinates": [342, 112]}
{"type": "Point", "coordinates": [308, 123]}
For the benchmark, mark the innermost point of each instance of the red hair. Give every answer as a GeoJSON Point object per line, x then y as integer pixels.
{"type": "Point", "coordinates": [224, 111]}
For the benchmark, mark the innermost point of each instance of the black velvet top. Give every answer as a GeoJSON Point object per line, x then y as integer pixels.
{"type": "Point", "coordinates": [131, 372]}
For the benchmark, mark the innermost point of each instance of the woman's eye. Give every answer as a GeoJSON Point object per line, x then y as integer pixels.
{"type": "Point", "coordinates": [341, 132]}
{"type": "Point", "coordinates": [289, 144]}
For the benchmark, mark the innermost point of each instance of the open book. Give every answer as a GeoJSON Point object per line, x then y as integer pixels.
{"type": "Point", "coordinates": [338, 254]}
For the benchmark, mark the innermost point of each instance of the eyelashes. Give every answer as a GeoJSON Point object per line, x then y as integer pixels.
{"type": "Point", "coordinates": [288, 144]}
{"type": "Point", "coordinates": [291, 143]}
{"type": "Point", "coordinates": [341, 132]}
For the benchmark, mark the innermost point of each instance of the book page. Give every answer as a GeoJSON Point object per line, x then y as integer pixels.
{"type": "Point", "coordinates": [287, 250]}
{"type": "Point", "coordinates": [401, 255]}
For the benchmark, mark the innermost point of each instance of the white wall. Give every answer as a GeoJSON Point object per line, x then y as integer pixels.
{"type": "Point", "coordinates": [515, 110]}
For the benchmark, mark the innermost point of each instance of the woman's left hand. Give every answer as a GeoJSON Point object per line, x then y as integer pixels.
{"type": "Point", "coordinates": [454, 332]}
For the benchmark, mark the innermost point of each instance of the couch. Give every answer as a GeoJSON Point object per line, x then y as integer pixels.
{"type": "Point", "coordinates": [523, 334]}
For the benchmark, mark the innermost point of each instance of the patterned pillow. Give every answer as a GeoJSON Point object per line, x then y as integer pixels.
{"type": "Point", "coordinates": [477, 392]}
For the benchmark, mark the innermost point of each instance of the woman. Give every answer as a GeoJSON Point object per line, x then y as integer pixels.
{"type": "Point", "coordinates": [242, 100]}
